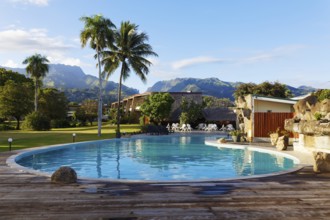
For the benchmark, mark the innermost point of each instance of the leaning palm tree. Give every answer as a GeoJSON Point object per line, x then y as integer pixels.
{"type": "Point", "coordinates": [37, 68]}
{"type": "Point", "coordinates": [130, 50]}
{"type": "Point", "coordinates": [98, 31]}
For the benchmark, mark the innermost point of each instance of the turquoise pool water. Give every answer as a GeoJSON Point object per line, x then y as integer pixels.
{"type": "Point", "coordinates": [157, 158]}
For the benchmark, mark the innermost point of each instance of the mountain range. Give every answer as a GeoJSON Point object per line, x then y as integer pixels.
{"type": "Point", "coordinates": [79, 86]}
{"type": "Point", "coordinates": [211, 87]}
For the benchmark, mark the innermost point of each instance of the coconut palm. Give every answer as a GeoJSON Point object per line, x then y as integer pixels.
{"type": "Point", "coordinates": [98, 31]}
{"type": "Point", "coordinates": [37, 68]}
{"type": "Point", "coordinates": [129, 50]}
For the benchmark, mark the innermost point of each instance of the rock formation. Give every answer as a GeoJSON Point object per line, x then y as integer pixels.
{"type": "Point", "coordinates": [321, 162]}
{"type": "Point", "coordinates": [64, 175]}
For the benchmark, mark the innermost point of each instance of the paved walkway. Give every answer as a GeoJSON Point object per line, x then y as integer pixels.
{"type": "Point", "coordinates": [301, 195]}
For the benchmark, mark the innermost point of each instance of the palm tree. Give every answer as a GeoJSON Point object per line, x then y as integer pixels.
{"type": "Point", "coordinates": [38, 68]}
{"type": "Point", "coordinates": [129, 50]}
{"type": "Point", "coordinates": [98, 31]}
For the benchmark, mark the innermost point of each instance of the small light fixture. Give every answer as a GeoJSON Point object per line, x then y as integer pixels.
{"type": "Point", "coordinates": [10, 140]}
{"type": "Point", "coordinates": [74, 137]}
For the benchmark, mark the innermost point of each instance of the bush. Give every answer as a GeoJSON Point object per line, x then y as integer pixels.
{"type": "Point", "coordinates": [37, 122]}
{"type": "Point", "coordinates": [323, 94]}
{"type": "Point", "coordinates": [6, 127]}
{"type": "Point", "coordinates": [154, 129]}
{"type": "Point", "coordinates": [59, 123]}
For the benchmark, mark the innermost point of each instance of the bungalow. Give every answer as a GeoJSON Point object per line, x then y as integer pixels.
{"type": "Point", "coordinates": [257, 115]}
{"type": "Point", "coordinates": [131, 106]}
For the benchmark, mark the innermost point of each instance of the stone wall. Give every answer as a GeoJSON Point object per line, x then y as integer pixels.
{"type": "Point", "coordinates": [312, 123]}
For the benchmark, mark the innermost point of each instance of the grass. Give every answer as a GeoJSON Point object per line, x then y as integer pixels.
{"type": "Point", "coordinates": [27, 139]}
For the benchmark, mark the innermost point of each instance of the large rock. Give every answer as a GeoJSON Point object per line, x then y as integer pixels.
{"type": "Point", "coordinates": [321, 161]}
{"type": "Point", "coordinates": [273, 138]}
{"type": "Point", "coordinates": [282, 143]}
{"type": "Point", "coordinates": [64, 175]}
{"type": "Point", "coordinates": [222, 141]}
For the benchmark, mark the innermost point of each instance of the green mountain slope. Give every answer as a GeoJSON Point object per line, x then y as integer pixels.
{"type": "Point", "coordinates": [77, 85]}
{"type": "Point", "coordinates": [210, 86]}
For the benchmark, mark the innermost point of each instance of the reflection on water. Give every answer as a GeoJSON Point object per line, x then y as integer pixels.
{"type": "Point", "coordinates": [158, 158]}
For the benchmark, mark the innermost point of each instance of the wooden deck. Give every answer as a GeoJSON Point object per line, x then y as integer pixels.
{"type": "Point", "coordinates": [302, 195]}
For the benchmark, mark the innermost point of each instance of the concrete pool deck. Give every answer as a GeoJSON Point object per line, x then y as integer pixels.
{"type": "Point", "coordinates": [300, 195]}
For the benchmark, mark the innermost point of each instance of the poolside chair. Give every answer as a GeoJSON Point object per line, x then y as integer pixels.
{"type": "Point", "coordinates": [223, 128]}
{"type": "Point", "coordinates": [175, 127]}
{"type": "Point", "coordinates": [230, 127]}
{"type": "Point", "coordinates": [168, 127]}
{"type": "Point", "coordinates": [183, 127]}
{"type": "Point", "coordinates": [189, 127]}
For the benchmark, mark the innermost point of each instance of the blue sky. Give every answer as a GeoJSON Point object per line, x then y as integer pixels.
{"type": "Point", "coordinates": [236, 40]}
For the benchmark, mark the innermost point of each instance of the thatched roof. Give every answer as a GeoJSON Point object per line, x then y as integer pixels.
{"type": "Point", "coordinates": [219, 114]}
{"type": "Point", "coordinates": [210, 114]}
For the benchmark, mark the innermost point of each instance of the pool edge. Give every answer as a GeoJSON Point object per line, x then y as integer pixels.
{"type": "Point", "coordinates": [11, 162]}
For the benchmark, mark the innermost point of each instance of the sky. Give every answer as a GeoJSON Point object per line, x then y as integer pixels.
{"type": "Point", "coordinates": [232, 40]}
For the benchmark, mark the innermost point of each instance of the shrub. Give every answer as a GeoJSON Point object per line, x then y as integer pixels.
{"type": "Point", "coordinates": [37, 122]}
{"type": "Point", "coordinates": [323, 94]}
{"type": "Point", "coordinates": [318, 116]}
{"type": "Point", "coordinates": [154, 129]}
{"type": "Point", "coordinates": [59, 123]}
{"type": "Point", "coordinates": [6, 127]}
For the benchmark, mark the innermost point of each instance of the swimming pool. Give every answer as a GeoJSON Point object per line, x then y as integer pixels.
{"type": "Point", "coordinates": [156, 158]}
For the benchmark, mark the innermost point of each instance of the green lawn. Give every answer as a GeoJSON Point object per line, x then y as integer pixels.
{"type": "Point", "coordinates": [26, 139]}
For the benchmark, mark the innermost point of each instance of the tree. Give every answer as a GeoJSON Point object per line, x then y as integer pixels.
{"type": "Point", "coordinates": [211, 102]}
{"type": "Point", "coordinates": [53, 104]}
{"type": "Point", "coordinates": [16, 100]}
{"type": "Point", "coordinates": [191, 111]}
{"type": "Point", "coordinates": [130, 50]}
{"type": "Point", "coordinates": [265, 89]}
{"type": "Point", "coordinates": [38, 68]}
{"type": "Point", "coordinates": [157, 107]}
{"type": "Point", "coordinates": [98, 31]}
{"type": "Point", "coordinates": [244, 89]}
{"type": "Point", "coordinates": [322, 94]}
{"type": "Point", "coordinates": [6, 75]}
{"type": "Point", "coordinates": [89, 107]}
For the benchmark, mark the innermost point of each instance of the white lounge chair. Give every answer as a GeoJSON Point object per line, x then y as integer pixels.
{"type": "Point", "coordinates": [168, 127]}
{"type": "Point", "coordinates": [223, 128]}
{"type": "Point", "coordinates": [189, 127]}
{"type": "Point", "coordinates": [175, 127]}
{"type": "Point", "coordinates": [183, 127]}
{"type": "Point", "coordinates": [230, 127]}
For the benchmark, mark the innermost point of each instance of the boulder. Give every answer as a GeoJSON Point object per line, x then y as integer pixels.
{"type": "Point", "coordinates": [282, 143]}
{"type": "Point", "coordinates": [222, 141]}
{"type": "Point", "coordinates": [64, 175]}
{"type": "Point", "coordinates": [273, 138]}
{"type": "Point", "coordinates": [321, 162]}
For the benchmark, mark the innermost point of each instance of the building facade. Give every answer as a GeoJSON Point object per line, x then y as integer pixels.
{"type": "Point", "coordinates": [132, 104]}
{"type": "Point", "coordinates": [257, 116]}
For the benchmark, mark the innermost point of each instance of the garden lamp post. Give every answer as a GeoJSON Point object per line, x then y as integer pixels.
{"type": "Point", "coordinates": [73, 137]}
{"type": "Point", "coordinates": [10, 140]}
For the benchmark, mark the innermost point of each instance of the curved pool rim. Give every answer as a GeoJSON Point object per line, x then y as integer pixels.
{"type": "Point", "coordinates": [11, 162]}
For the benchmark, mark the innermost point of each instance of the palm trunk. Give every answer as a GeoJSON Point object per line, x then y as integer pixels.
{"type": "Point", "coordinates": [36, 95]}
{"type": "Point", "coordinates": [99, 112]}
{"type": "Point", "coordinates": [17, 123]}
{"type": "Point", "coordinates": [118, 135]}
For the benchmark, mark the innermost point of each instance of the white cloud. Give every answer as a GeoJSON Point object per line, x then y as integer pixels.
{"type": "Point", "coordinates": [254, 58]}
{"type": "Point", "coordinates": [65, 60]}
{"type": "Point", "coordinates": [281, 51]}
{"type": "Point", "coordinates": [10, 63]}
{"type": "Point", "coordinates": [258, 58]}
{"type": "Point", "coordinates": [32, 2]}
{"type": "Point", "coordinates": [24, 43]}
{"type": "Point", "coordinates": [194, 61]}
{"type": "Point", "coordinates": [30, 41]}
